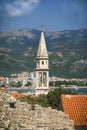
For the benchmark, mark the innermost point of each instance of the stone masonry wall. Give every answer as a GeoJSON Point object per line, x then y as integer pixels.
{"type": "Point", "coordinates": [23, 117]}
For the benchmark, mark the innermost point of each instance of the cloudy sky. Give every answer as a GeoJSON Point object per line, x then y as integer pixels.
{"type": "Point", "coordinates": [55, 15]}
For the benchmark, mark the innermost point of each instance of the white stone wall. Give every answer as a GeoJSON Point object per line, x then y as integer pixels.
{"type": "Point", "coordinates": [26, 117]}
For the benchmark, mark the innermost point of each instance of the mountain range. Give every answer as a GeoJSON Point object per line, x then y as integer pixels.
{"type": "Point", "coordinates": [67, 52]}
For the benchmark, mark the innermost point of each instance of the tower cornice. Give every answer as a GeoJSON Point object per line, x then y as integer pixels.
{"type": "Point", "coordinates": [42, 58]}
{"type": "Point", "coordinates": [42, 69]}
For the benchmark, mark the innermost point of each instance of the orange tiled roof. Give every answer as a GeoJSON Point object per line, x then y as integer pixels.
{"type": "Point", "coordinates": [3, 90]}
{"type": "Point", "coordinates": [17, 95]}
{"type": "Point", "coordinates": [1, 79]}
{"type": "Point", "coordinates": [76, 107]}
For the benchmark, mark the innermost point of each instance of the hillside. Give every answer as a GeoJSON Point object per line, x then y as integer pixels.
{"type": "Point", "coordinates": [67, 52]}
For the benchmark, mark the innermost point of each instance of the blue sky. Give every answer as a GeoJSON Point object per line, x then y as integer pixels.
{"type": "Point", "coordinates": [55, 15]}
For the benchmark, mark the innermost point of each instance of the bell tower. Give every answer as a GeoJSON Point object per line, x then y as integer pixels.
{"type": "Point", "coordinates": [42, 67]}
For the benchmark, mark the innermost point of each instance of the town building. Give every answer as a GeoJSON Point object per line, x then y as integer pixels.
{"type": "Point", "coordinates": [42, 67]}
{"type": "Point", "coordinates": [33, 79]}
{"type": "Point", "coordinates": [2, 80]}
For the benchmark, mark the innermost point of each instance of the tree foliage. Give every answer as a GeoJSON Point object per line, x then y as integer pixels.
{"type": "Point", "coordinates": [54, 96]}
{"type": "Point", "coordinates": [42, 100]}
{"type": "Point", "coordinates": [28, 84]}
{"type": "Point", "coordinates": [66, 83]}
{"type": "Point", "coordinates": [52, 99]}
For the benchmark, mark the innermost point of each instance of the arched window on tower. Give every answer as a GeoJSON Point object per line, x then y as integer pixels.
{"type": "Point", "coordinates": [46, 62]}
{"type": "Point", "coordinates": [40, 79]}
{"type": "Point", "coordinates": [44, 79]}
{"type": "Point", "coordinates": [42, 62]}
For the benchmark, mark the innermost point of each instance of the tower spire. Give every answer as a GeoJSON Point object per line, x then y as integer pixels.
{"type": "Point", "coordinates": [42, 50]}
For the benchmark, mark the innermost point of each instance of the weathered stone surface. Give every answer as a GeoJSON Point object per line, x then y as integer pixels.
{"type": "Point", "coordinates": [22, 117]}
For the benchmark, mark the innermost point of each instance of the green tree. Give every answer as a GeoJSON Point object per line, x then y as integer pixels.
{"type": "Point", "coordinates": [42, 100]}
{"type": "Point", "coordinates": [52, 99]}
{"type": "Point", "coordinates": [28, 84]}
{"type": "Point", "coordinates": [19, 84]}
{"type": "Point", "coordinates": [54, 96]}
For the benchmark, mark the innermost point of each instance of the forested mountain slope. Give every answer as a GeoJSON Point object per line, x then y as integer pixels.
{"type": "Point", "coordinates": [67, 52]}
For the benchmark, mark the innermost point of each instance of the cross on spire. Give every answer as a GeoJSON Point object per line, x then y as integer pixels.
{"type": "Point", "coordinates": [42, 28]}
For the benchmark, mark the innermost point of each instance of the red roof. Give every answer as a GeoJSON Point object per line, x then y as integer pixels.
{"type": "Point", "coordinates": [17, 95]}
{"type": "Point", "coordinates": [76, 107]}
{"type": "Point", "coordinates": [3, 90]}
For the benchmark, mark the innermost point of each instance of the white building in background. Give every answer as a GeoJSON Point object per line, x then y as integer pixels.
{"type": "Point", "coordinates": [2, 80]}
{"type": "Point", "coordinates": [42, 68]}
{"type": "Point", "coordinates": [23, 77]}
{"type": "Point", "coordinates": [7, 80]}
{"type": "Point", "coordinates": [33, 79]}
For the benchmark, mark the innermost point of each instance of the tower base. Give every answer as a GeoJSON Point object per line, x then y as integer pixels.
{"type": "Point", "coordinates": [39, 91]}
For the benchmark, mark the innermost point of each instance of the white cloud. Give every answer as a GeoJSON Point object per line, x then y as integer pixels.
{"type": "Point", "coordinates": [20, 7]}
{"type": "Point", "coordinates": [13, 11]}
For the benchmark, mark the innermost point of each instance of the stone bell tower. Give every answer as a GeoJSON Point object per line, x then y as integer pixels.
{"type": "Point", "coordinates": [42, 67]}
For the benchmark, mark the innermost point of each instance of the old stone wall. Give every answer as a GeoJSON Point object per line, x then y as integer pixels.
{"type": "Point", "coordinates": [23, 117]}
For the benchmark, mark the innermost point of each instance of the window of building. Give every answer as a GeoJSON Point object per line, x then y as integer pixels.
{"type": "Point", "coordinates": [42, 62]}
